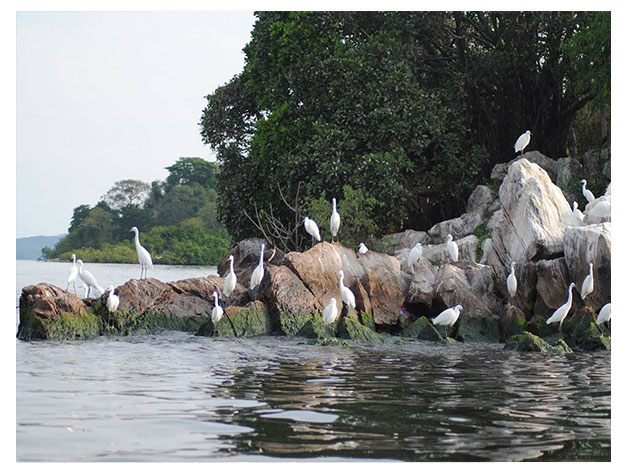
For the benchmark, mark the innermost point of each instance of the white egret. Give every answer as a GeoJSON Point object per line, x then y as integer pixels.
{"type": "Point", "coordinates": [330, 312]}
{"type": "Point", "coordinates": [71, 278]}
{"type": "Point", "coordinates": [586, 193]}
{"type": "Point", "coordinates": [143, 256]}
{"type": "Point", "coordinates": [362, 248]}
{"type": "Point", "coordinates": [88, 278]}
{"type": "Point", "coordinates": [452, 248]}
{"type": "Point", "coordinates": [257, 276]}
{"type": "Point", "coordinates": [312, 229]}
{"type": "Point", "coordinates": [512, 283]}
{"type": "Point", "coordinates": [601, 208]}
{"type": "Point", "coordinates": [334, 224]}
{"type": "Point", "coordinates": [448, 317]}
{"type": "Point", "coordinates": [217, 312]}
{"type": "Point", "coordinates": [113, 301]}
{"type": "Point", "coordinates": [605, 314]}
{"type": "Point", "coordinates": [230, 280]}
{"type": "Point", "coordinates": [577, 214]}
{"type": "Point", "coordinates": [347, 296]}
{"type": "Point", "coordinates": [588, 283]}
{"type": "Point", "coordinates": [560, 314]}
{"type": "Point", "coordinates": [522, 142]}
{"type": "Point", "coordinates": [414, 256]}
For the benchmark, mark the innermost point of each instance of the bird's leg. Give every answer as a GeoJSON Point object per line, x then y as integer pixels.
{"type": "Point", "coordinates": [88, 289]}
{"type": "Point", "coordinates": [74, 284]}
{"type": "Point", "coordinates": [145, 271]}
{"type": "Point", "coordinates": [68, 286]}
{"type": "Point", "coordinates": [561, 328]}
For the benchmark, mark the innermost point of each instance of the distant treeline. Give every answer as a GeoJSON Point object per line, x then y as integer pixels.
{"type": "Point", "coordinates": [177, 220]}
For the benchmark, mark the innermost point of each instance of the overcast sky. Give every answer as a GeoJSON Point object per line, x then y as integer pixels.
{"type": "Point", "coordinates": [105, 96]}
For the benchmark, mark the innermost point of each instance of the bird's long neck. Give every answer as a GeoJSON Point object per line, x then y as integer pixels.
{"type": "Point", "coordinates": [215, 298]}
{"type": "Point", "coordinates": [334, 209]}
{"type": "Point", "coordinates": [341, 281]}
{"type": "Point", "coordinates": [231, 265]}
{"type": "Point", "coordinates": [261, 256]}
{"type": "Point", "coordinates": [73, 260]}
{"type": "Point", "coordinates": [137, 239]}
{"type": "Point", "coordinates": [570, 295]}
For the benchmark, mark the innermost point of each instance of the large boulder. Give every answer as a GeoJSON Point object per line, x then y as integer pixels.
{"type": "Point", "coordinates": [500, 170]}
{"type": "Point", "coordinates": [454, 288]}
{"type": "Point", "coordinates": [592, 243]}
{"type": "Point", "coordinates": [246, 257]}
{"type": "Point", "coordinates": [139, 294]}
{"type": "Point", "coordinates": [422, 284]}
{"type": "Point", "coordinates": [531, 228]}
{"type": "Point", "coordinates": [438, 253]}
{"type": "Point", "coordinates": [391, 243]}
{"type": "Point", "coordinates": [479, 200]}
{"type": "Point", "coordinates": [552, 282]}
{"type": "Point", "coordinates": [569, 171]}
{"type": "Point", "coordinates": [458, 227]}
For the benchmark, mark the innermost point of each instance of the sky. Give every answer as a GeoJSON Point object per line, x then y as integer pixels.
{"type": "Point", "coordinates": [107, 96]}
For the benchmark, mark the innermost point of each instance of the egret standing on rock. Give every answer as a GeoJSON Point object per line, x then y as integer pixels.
{"type": "Point", "coordinates": [586, 193]}
{"type": "Point", "coordinates": [414, 256]}
{"type": "Point", "coordinates": [512, 283]}
{"type": "Point", "coordinates": [362, 248]}
{"type": "Point", "coordinates": [71, 278]}
{"type": "Point", "coordinates": [334, 224]}
{"type": "Point", "coordinates": [588, 283]}
{"type": "Point", "coordinates": [143, 256]}
{"type": "Point", "coordinates": [605, 314]}
{"type": "Point", "coordinates": [257, 276]}
{"type": "Point", "coordinates": [217, 312]}
{"type": "Point", "coordinates": [312, 229]}
{"type": "Point", "coordinates": [560, 314]}
{"type": "Point", "coordinates": [448, 317]}
{"type": "Point", "coordinates": [112, 300]}
{"type": "Point", "coordinates": [347, 296]}
{"type": "Point", "coordinates": [88, 278]}
{"type": "Point", "coordinates": [329, 314]}
{"type": "Point", "coordinates": [231, 279]}
{"type": "Point", "coordinates": [577, 214]}
{"type": "Point", "coordinates": [522, 142]}
{"type": "Point", "coordinates": [452, 248]}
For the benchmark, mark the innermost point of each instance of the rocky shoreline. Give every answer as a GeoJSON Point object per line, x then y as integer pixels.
{"type": "Point", "coordinates": [530, 222]}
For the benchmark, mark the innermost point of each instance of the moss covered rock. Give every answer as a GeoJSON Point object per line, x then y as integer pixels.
{"type": "Point", "coordinates": [513, 322]}
{"type": "Point", "coordinates": [66, 326]}
{"type": "Point", "coordinates": [350, 329]}
{"type": "Point", "coordinates": [596, 343]}
{"type": "Point", "coordinates": [478, 329]}
{"type": "Point", "coordinates": [367, 320]}
{"type": "Point", "coordinates": [252, 320]}
{"type": "Point", "coordinates": [422, 329]}
{"type": "Point", "coordinates": [528, 342]}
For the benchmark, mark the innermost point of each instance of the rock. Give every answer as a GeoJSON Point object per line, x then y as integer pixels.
{"type": "Point", "coordinates": [246, 258]}
{"type": "Point", "coordinates": [486, 247]}
{"type": "Point", "coordinates": [535, 214]}
{"type": "Point", "coordinates": [457, 227]}
{"type": "Point", "coordinates": [49, 301]}
{"type": "Point", "coordinates": [494, 221]}
{"type": "Point", "coordinates": [479, 200]}
{"type": "Point", "coordinates": [422, 284]}
{"type": "Point", "coordinates": [478, 329]}
{"type": "Point", "coordinates": [569, 171]}
{"type": "Point", "coordinates": [482, 284]}
{"type": "Point", "coordinates": [437, 253]}
{"type": "Point", "coordinates": [379, 274]}
{"type": "Point", "coordinates": [585, 244]}
{"type": "Point", "coordinates": [607, 170]}
{"type": "Point", "coordinates": [512, 321]}
{"type": "Point", "coordinates": [527, 342]}
{"type": "Point", "coordinates": [454, 289]}
{"type": "Point", "coordinates": [500, 170]}
{"type": "Point", "coordinates": [597, 343]}
{"type": "Point", "coordinates": [138, 295]}
{"type": "Point", "coordinates": [350, 329]}
{"type": "Point", "coordinates": [552, 282]}
{"type": "Point", "coordinates": [538, 326]}
{"type": "Point", "coordinates": [595, 159]}
{"type": "Point", "coordinates": [580, 328]}
{"type": "Point", "coordinates": [391, 243]}
{"type": "Point", "coordinates": [422, 329]}
{"type": "Point", "coordinates": [316, 328]}
{"type": "Point", "coordinates": [252, 320]}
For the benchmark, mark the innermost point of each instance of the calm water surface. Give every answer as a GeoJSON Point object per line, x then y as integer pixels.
{"type": "Point", "coordinates": [177, 397]}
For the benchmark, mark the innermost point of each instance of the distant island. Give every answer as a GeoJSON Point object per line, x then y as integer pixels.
{"type": "Point", "coordinates": [30, 248]}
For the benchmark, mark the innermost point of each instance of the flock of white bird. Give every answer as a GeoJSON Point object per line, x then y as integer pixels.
{"type": "Point", "coordinates": [595, 207]}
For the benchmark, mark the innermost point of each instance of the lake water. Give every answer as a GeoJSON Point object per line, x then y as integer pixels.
{"type": "Point", "coordinates": [177, 397]}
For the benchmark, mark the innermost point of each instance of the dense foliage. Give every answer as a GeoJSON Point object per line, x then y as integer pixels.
{"type": "Point", "coordinates": [412, 109]}
{"type": "Point", "coordinates": [177, 219]}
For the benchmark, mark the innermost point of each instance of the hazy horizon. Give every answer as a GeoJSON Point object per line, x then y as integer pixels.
{"type": "Point", "coordinates": [106, 96]}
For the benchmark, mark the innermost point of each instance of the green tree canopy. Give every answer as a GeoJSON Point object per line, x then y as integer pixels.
{"type": "Point", "coordinates": [188, 170]}
{"type": "Point", "coordinates": [127, 193]}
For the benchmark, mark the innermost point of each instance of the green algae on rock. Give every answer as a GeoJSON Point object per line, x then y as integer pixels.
{"type": "Point", "coordinates": [252, 320]}
{"type": "Point", "coordinates": [478, 329]}
{"type": "Point", "coordinates": [528, 342]}
{"type": "Point", "coordinates": [350, 329]}
{"type": "Point", "coordinates": [422, 329]}
{"type": "Point", "coordinates": [66, 326]}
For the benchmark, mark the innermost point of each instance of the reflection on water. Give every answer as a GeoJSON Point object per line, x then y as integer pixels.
{"type": "Point", "coordinates": [178, 397]}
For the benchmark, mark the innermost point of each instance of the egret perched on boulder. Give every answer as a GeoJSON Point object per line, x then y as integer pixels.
{"type": "Point", "coordinates": [334, 223]}
{"type": "Point", "coordinates": [362, 248]}
{"type": "Point", "coordinates": [577, 214]}
{"type": "Point", "coordinates": [88, 278]}
{"type": "Point", "coordinates": [451, 246]}
{"type": "Point", "coordinates": [347, 296]}
{"type": "Point", "coordinates": [217, 312]}
{"type": "Point", "coordinates": [143, 256]}
{"type": "Point", "coordinates": [312, 229]}
{"type": "Point", "coordinates": [588, 283]}
{"type": "Point", "coordinates": [586, 193]}
{"type": "Point", "coordinates": [230, 280]}
{"type": "Point", "coordinates": [71, 278]}
{"type": "Point", "coordinates": [512, 283]}
{"type": "Point", "coordinates": [522, 142]}
{"type": "Point", "coordinates": [257, 276]}
{"type": "Point", "coordinates": [600, 208]}
{"type": "Point", "coordinates": [113, 301]}
{"type": "Point", "coordinates": [414, 256]}
{"type": "Point", "coordinates": [448, 317]}
{"type": "Point", "coordinates": [330, 312]}
{"type": "Point", "coordinates": [560, 314]}
{"type": "Point", "coordinates": [605, 314]}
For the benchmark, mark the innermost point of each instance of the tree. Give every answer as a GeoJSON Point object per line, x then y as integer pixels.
{"type": "Point", "coordinates": [127, 193]}
{"type": "Point", "coordinates": [188, 170]}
